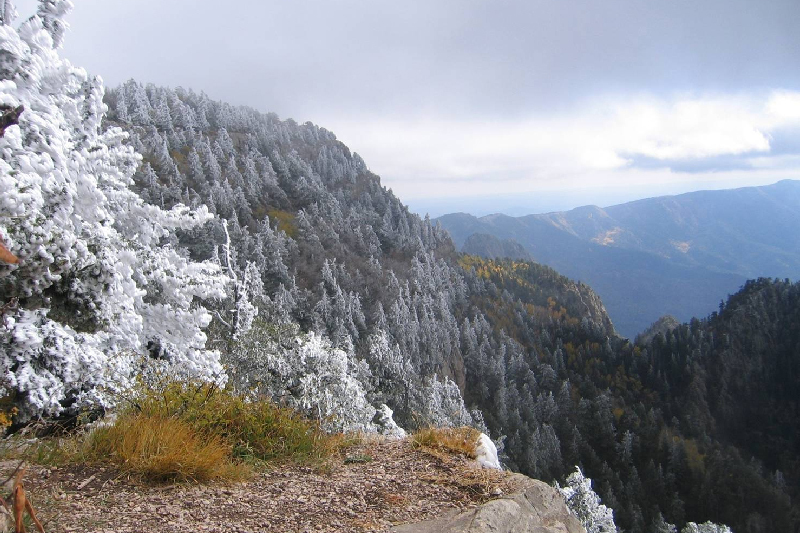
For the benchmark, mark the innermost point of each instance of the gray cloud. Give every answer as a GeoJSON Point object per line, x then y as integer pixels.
{"type": "Point", "coordinates": [481, 58]}
{"type": "Point", "coordinates": [784, 141]}
{"type": "Point", "coordinates": [490, 91]}
{"type": "Point", "coordinates": [694, 166]}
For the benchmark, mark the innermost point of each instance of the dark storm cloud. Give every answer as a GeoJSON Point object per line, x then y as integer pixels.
{"type": "Point", "coordinates": [460, 57]}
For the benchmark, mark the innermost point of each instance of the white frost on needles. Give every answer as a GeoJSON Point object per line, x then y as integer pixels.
{"type": "Point", "coordinates": [708, 527]}
{"type": "Point", "coordinates": [585, 504]}
{"type": "Point", "coordinates": [305, 372]}
{"type": "Point", "coordinates": [386, 425]}
{"type": "Point", "coordinates": [99, 277]}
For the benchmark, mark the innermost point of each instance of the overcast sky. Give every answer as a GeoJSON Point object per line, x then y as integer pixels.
{"type": "Point", "coordinates": [517, 106]}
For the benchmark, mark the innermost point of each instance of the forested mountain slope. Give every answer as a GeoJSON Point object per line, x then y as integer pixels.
{"type": "Point", "coordinates": [734, 378]}
{"type": "Point", "coordinates": [491, 247]}
{"type": "Point", "coordinates": [337, 254]}
{"type": "Point", "coordinates": [750, 231]}
{"type": "Point", "coordinates": [676, 255]}
{"type": "Point", "coordinates": [696, 422]}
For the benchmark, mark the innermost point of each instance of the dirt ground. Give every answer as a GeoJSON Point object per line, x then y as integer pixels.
{"type": "Point", "coordinates": [374, 486]}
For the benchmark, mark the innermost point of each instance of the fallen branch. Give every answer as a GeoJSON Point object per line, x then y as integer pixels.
{"type": "Point", "coordinates": [22, 504]}
{"type": "Point", "coordinates": [86, 482]}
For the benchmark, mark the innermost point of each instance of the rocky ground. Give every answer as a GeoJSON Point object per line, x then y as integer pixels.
{"type": "Point", "coordinates": [373, 486]}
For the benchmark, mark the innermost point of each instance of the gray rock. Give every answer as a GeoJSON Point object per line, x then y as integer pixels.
{"type": "Point", "coordinates": [535, 508]}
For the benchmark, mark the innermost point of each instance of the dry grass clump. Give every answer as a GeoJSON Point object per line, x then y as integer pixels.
{"type": "Point", "coordinates": [163, 449]}
{"type": "Point", "coordinates": [461, 441]}
{"type": "Point", "coordinates": [198, 432]}
{"type": "Point", "coordinates": [256, 429]}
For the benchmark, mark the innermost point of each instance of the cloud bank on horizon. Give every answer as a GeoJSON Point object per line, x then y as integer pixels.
{"type": "Point", "coordinates": [468, 98]}
{"type": "Point", "coordinates": [728, 140]}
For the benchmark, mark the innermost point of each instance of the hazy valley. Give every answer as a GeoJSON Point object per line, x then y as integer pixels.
{"type": "Point", "coordinates": [674, 255]}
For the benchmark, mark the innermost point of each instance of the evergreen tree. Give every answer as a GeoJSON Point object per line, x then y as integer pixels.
{"type": "Point", "coordinates": [99, 279]}
{"type": "Point", "coordinates": [8, 13]}
{"type": "Point", "coordinates": [52, 14]}
{"type": "Point", "coordinates": [585, 504]}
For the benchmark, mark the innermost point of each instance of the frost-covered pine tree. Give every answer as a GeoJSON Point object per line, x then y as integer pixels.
{"type": "Point", "coordinates": [99, 280]}
{"type": "Point", "coordinates": [52, 14]}
{"type": "Point", "coordinates": [440, 404]}
{"type": "Point", "coordinates": [305, 372]}
{"type": "Point", "coordinates": [707, 527]}
{"type": "Point", "coordinates": [585, 504]}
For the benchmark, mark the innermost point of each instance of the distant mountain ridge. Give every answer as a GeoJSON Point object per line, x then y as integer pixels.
{"type": "Point", "coordinates": [677, 255]}
{"type": "Point", "coordinates": [751, 231]}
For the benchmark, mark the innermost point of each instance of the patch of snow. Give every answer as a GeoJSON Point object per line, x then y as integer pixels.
{"type": "Point", "coordinates": [106, 422]}
{"type": "Point", "coordinates": [487, 453]}
{"type": "Point", "coordinates": [386, 424]}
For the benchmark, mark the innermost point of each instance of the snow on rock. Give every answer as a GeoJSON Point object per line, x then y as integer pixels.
{"type": "Point", "coordinates": [386, 424]}
{"type": "Point", "coordinates": [487, 453]}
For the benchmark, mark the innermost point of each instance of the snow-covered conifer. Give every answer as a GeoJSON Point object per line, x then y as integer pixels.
{"type": "Point", "coordinates": [225, 142]}
{"type": "Point", "coordinates": [196, 167]}
{"type": "Point", "coordinates": [52, 13]}
{"type": "Point", "coordinates": [440, 404]}
{"type": "Point", "coordinates": [585, 504]}
{"type": "Point", "coordinates": [121, 109]}
{"type": "Point", "coordinates": [98, 280]}
{"type": "Point", "coordinates": [707, 527]}
{"type": "Point", "coordinates": [163, 118]}
{"type": "Point", "coordinates": [7, 12]}
{"type": "Point", "coordinates": [304, 371]}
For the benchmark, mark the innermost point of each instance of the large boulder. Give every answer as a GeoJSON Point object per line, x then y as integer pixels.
{"type": "Point", "coordinates": [534, 508]}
